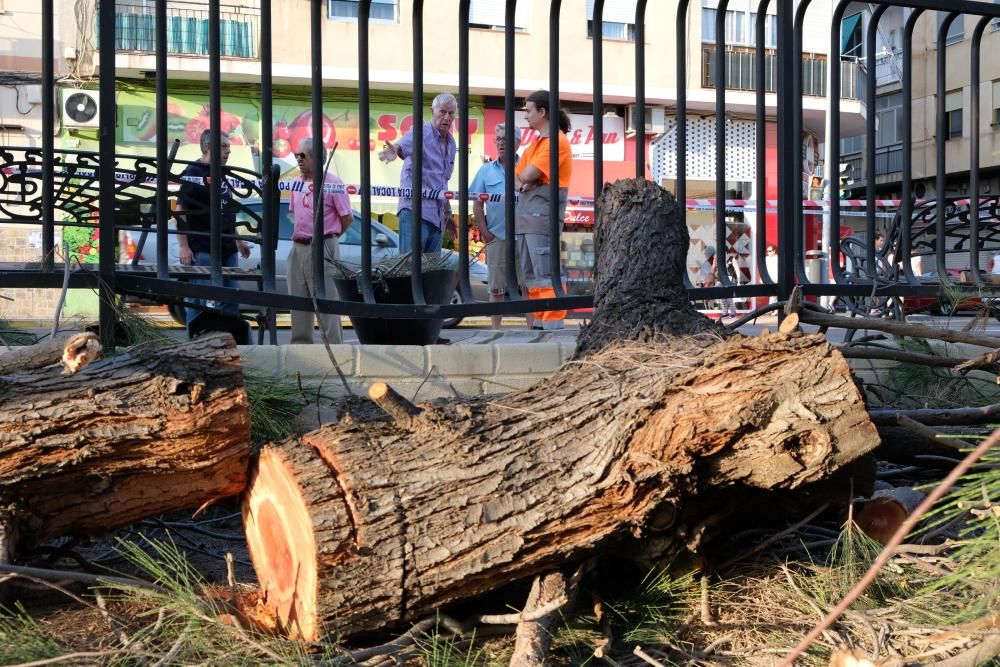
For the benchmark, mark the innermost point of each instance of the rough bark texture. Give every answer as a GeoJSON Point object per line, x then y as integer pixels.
{"type": "Point", "coordinates": [355, 527]}
{"type": "Point", "coordinates": [129, 437]}
{"type": "Point", "coordinates": [639, 270]}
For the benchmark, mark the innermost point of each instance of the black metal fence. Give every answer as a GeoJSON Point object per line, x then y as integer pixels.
{"type": "Point", "coordinates": [37, 182]}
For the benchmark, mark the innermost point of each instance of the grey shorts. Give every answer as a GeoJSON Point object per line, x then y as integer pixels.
{"type": "Point", "coordinates": [533, 260]}
{"type": "Point", "coordinates": [496, 263]}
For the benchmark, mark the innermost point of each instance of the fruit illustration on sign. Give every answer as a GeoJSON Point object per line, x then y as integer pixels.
{"type": "Point", "coordinates": [301, 128]}
{"type": "Point", "coordinates": [194, 128]}
{"type": "Point", "coordinates": [281, 130]}
{"type": "Point", "coordinates": [203, 121]}
{"type": "Point", "coordinates": [282, 148]}
{"type": "Point", "coordinates": [251, 127]}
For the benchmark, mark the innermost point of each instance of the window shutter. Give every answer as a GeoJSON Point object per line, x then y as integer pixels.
{"type": "Point", "coordinates": [996, 94]}
{"type": "Point", "coordinates": [493, 12]}
{"type": "Point", "coordinates": [615, 11]}
{"type": "Point", "coordinates": [953, 101]}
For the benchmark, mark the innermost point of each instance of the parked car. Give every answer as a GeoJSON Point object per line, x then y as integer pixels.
{"type": "Point", "coordinates": [385, 243]}
{"type": "Point", "coordinates": [941, 303]}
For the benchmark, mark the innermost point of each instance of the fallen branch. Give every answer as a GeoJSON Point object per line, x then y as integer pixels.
{"type": "Point", "coordinates": [903, 357]}
{"type": "Point", "coordinates": [930, 434]}
{"type": "Point", "coordinates": [938, 416]}
{"type": "Point", "coordinates": [980, 654]}
{"type": "Point", "coordinates": [532, 639]}
{"type": "Point", "coordinates": [82, 577]}
{"type": "Point", "coordinates": [984, 360]}
{"type": "Point", "coordinates": [896, 328]}
{"type": "Point", "coordinates": [890, 548]}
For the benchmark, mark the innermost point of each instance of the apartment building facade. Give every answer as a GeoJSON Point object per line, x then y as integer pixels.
{"type": "Point", "coordinates": [390, 37]}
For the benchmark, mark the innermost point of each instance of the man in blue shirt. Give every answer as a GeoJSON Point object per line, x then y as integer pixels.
{"type": "Point", "coordinates": [489, 218]}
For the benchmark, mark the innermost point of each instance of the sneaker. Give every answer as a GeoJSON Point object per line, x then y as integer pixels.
{"type": "Point", "coordinates": [552, 325]}
{"type": "Point", "coordinates": [442, 341]}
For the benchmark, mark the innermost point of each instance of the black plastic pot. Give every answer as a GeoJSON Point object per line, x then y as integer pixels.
{"type": "Point", "coordinates": [438, 288]}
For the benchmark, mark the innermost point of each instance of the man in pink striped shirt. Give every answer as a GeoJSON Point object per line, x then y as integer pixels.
{"type": "Point", "coordinates": [337, 217]}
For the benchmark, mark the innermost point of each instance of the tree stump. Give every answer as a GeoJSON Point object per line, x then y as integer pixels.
{"type": "Point", "coordinates": [133, 436]}
{"type": "Point", "coordinates": [361, 526]}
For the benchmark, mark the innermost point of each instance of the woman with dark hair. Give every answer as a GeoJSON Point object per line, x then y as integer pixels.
{"type": "Point", "coordinates": [531, 180]}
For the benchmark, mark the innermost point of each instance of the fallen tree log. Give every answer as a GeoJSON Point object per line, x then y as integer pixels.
{"type": "Point", "coordinates": [146, 432]}
{"type": "Point", "coordinates": [361, 526]}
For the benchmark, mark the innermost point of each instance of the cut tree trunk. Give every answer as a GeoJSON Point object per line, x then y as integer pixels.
{"type": "Point", "coordinates": [129, 437]}
{"type": "Point", "coordinates": [360, 526]}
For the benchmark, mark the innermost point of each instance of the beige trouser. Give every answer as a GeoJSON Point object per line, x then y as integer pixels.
{"type": "Point", "coordinates": [299, 274]}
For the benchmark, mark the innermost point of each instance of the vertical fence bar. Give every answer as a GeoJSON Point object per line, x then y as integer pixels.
{"type": "Point", "coordinates": [318, 144]}
{"type": "Point", "coordinates": [215, 167]}
{"type": "Point", "coordinates": [680, 165]}
{"type": "Point", "coordinates": [106, 233]}
{"type": "Point", "coordinates": [48, 136]}
{"type": "Point", "coordinates": [555, 219]}
{"type": "Point", "coordinates": [597, 21]}
{"type": "Point", "coordinates": [789, 188]}
{"type": "Point", "coordinates": [977, 38]}
{"type": "Point", "coordinates": [640, 89]}
{"type": "Point", "coordinates": [940, 140]}
{"type": "Point", "coordinates": [721, 255]}
{"type": "Point", "coordinates": [417, 161]}
{"type": "Point", "coordinates": [906, 205]}
{"type": "Point", "coordinates": [364, 118]}
{"type": "Point", "coordinates": [270, 205]}
{"type": "Point", "coordinates": [797, 230]}
{"type": "Point", "coordinates": [761, 135]}
{"type": "Point", "coordinates": [834, 139]}
{"type": "Point", "coordinates": [162, 161]}
{"type": "Point", "coordinates": [508, 163]}
{"type": "Point", "coordinates": [463, 148]}
{"type": "Point", "coordinates": [871, 261]}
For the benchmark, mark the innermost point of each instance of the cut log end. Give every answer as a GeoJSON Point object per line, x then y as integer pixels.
{"type": "Point", "coordinates": [282, 545]}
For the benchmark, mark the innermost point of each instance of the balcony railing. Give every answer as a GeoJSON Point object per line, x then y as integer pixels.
{"type": "Point", "coordinates": [888, 160]}
{"type": "Point", "coordinates": [888, 69]}
{"type": "Point", "coordinates": [741, 63]}
{"type": "Point", "coordinates": [187, 28]}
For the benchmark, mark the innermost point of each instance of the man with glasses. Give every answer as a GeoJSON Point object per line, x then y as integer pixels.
{"type": "Point", "coordinates": [437, 166]}
{"type": "Point", "coordinates": [489, 218]}
{"type": "Point", "coordinates": [337, 217]}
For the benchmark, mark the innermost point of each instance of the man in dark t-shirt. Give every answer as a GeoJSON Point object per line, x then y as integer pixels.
{"type": "Point", "coordinates": [193, 214]}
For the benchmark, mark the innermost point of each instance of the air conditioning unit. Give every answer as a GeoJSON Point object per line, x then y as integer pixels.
{"type": "Point", "coordinates": [80, 108]}
{"type": "Point", "coordinates": [655, 121]}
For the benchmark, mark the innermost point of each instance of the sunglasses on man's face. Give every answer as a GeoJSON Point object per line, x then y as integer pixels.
{"type": "Point", "coordinates": [301, 156]}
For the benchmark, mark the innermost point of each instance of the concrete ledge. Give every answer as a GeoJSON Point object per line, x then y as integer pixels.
{"type": "Point", "coordinates": [449, 371]}
{"type": "Point", "coordinates": [418, 373]}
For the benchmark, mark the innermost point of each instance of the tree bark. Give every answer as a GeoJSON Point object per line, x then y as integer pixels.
{"type": "Point", "coordinates": [359, 526]}
{"type": "Point", "coordinates": [147, 432]}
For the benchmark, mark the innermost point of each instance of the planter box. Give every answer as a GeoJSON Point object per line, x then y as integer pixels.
{"type": "Point", "coordinates": [438, 288]}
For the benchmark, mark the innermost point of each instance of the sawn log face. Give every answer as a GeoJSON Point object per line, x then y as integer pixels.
{"type": "Point", "coordinates": [477, 494]}
{"type": "Point", "coordinates": [128, 437]}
